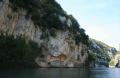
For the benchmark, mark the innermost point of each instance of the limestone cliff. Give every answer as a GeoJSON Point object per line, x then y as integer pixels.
{"type": "Point", "coordinates": [100, 54]}
{"type": "Point", "coordinates": [62, 42]}
{"type": "Point", "coordinates": [115, 60]}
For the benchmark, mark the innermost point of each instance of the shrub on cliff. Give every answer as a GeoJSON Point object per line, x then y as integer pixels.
{"type": "Point", "coordinates": [101, 50]}
{"type": "Point", "coordinates": [82, 37]}
{"type": "Point", "coordinates": [75, 25]}
{"type": "Point", "coordinates": [53, 32]}
{"type": "Point", "coordinates": [16, 52]}
{"type": "Point", "coordinates": [45, 14]}
{"type": "Point", "coordinates": [91, 57]}
{"type": "Point", "coordinates": [41, 12]}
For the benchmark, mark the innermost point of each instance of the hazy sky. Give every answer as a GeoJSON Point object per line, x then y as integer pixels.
{"type": "Point", "coordinates": [100, 18]}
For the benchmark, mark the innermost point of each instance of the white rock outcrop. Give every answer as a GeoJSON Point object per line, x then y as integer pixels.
{"type": "Point", "coordinates": [15, 23]}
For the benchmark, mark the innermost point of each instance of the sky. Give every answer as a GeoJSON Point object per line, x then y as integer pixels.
{"type": "Point", "coordinates": [100, 18]}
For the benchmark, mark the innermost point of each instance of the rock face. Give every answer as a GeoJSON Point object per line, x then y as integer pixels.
{"type": "Point", "coordinates": [115, 61]}
{"type": "Point", "coordinates": [59, 51]}
{"type": "Point", "coordinates": [100, 53]}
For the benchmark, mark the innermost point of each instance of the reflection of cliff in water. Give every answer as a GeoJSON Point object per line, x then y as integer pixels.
{"type": "Point", "coordinates": [61, 73]}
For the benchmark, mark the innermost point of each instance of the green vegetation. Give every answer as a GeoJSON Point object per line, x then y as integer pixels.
{"type": "Point", "coordinates": [82, 37]}
{"type": "Point", "coordinates": [45, 14]}
{"type": "Point", "coordinates": [75, 25]}
{"type": "Point", "coordinates": [92, 57]}
{"type": "Point", "coordinates": [98, 52]}
{"type": "Point", "coordinates": [17, 52]}
{"type": "Point", "coordinates": [53, 32]}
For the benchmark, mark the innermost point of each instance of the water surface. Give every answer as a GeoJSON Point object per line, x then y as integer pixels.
{"type": "Point", "coordinates": [61, 73]}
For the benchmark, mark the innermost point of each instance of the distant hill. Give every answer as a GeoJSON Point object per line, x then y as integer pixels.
{"type": "Point", "coordinates": [100, 53]}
